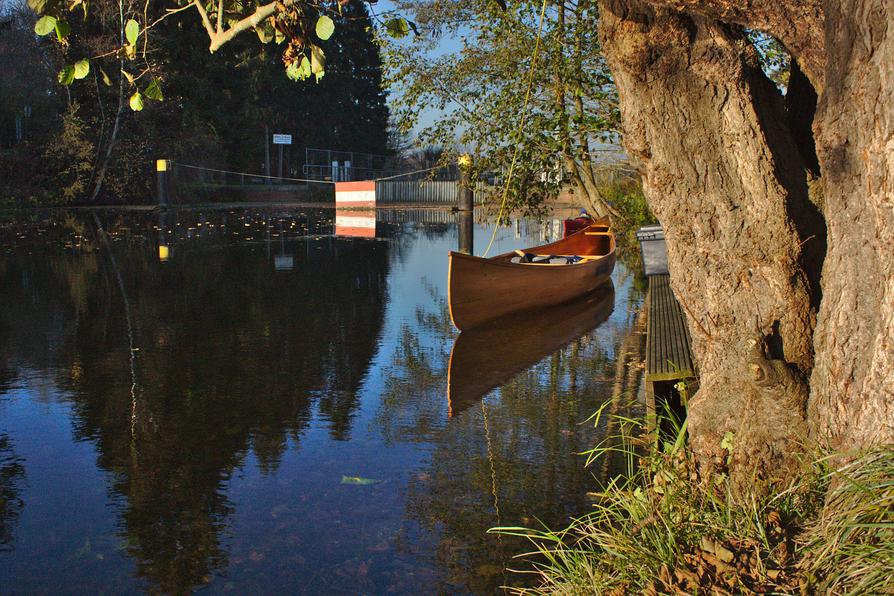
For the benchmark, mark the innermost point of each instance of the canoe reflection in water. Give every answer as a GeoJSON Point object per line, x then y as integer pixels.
{"type": "Point", "coordinates": [487, 356]}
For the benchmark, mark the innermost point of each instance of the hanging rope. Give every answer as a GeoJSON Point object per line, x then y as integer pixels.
{"type": "Point", "coordinates": [186, 165]}
{"type": "Point", "coordinates": [521, 126]}
{"type": "Point", "coordinates": [408, 173]}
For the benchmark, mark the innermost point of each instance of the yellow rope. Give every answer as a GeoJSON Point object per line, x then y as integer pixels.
{"type": "Point", "coordinates": [521, 126]}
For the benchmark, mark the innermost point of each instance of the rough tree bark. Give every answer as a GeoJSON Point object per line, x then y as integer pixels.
{"type": "Point", "coordinates": [727, 181]}
{"type": "Point", "coordinates": [852, 388]}
{"type": "Point", "coordinates": [725, 168]}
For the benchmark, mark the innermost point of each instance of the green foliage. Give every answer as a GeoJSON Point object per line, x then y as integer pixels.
{"type": "Point", "coordinates": [131, 31]}
{"type": "Point", "coordinates": [774, 59]}
{"type": "Point", "coordinates": [397, 28]}
{"type": "Point", "coordinates": [136, 102]}
{"type": "Point", "coordinates": [45, 25]}
{"type": "Point", "coordinates": [325, 27]}
{"type": "Point", "coordinates": [67, 75]}
{"type": "Point", "coordinates": [81, 69]}
{"type": "Point", "coordinates": [153, 91]}
{"type": "Point", "coordinates": [479, 91]}
{"type": "Point", "coordinates": [70, 155]}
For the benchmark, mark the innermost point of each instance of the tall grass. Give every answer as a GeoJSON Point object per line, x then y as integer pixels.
{"type": "Point", "coordinates": [662, 528]}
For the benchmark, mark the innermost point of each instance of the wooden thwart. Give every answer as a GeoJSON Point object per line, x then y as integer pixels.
{"type": "Point", "coordinates": [668, 352]}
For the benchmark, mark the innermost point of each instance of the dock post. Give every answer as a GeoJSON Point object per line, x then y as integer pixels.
{"type": "Point", "coordinates": [464, 197]}
{"type": "Point", "coordinates": [162, 167]}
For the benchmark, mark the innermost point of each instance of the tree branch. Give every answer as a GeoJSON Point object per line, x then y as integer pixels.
{"type": "Point", "coordinates": [217, 40]}
{"type": "Point", "coordinates": [205, 20]}
{"type": "Point", "coordinates": [220, 11]}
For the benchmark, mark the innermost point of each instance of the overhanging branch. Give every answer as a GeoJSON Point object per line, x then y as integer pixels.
{"type": "Point", "coordinates": [218, 36]}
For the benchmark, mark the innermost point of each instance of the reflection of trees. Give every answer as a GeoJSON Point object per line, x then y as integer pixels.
{"type": "Point", "coordinates": [12, 475]}
{"type": "Point", "coordinates": [233, 358]}
{"type": "Point", "coordinates": [510, 459]}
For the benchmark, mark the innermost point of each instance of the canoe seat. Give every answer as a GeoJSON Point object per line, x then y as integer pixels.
{"type": "Point", "coordinates": [527, 257]}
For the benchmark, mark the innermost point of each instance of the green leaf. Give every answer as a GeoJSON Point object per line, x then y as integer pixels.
{"type": "Point", "coordinates": [81, 69]}
{"type": "Point", "coordinates": [358, 480]}
{"type": "Point", "coordinates": [66, 75]}
{"type": "Point", "coordinates": [136, 102]}
{"type": "Point", "coordinates": [299, 71]}
{"type": "Point", "coordinates": [132, 31]}
{"type": "Point", "coordinates": [279, 37]}
{"type": "Point", "coordinates": [325, 27]}
{"type": "Point", "coordinates": [62, 30]}
{"type": "Point", "coordinates": [317, 62]}
{"type": "Point", "coordinates": [397, 27]}
{"type": "Point", "coordinates": [153, 91]}
{"type": "Point", "coordinates": [105, 78]}
{"type": "Point", "coordinates": [265, 32]}
{"type": "Point", "coordinates": [38, 6]}
{"type": "Point", "coordinates": [44, 25]}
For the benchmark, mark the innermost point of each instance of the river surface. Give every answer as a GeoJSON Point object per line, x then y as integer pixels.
{"type": "Point", "coordinates": [245, 402]}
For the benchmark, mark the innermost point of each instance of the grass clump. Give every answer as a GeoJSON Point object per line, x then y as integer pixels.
{"type": "Point", "coordinates": [661, 528]}
{"type": "Point", "coordinates": [849, 547]}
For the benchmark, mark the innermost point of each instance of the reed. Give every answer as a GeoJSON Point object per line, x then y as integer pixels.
{"type": "Point", "coordinates": [660, 527]}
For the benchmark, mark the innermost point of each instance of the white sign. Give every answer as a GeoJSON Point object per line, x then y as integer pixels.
{"type": "Point", "coordinates": [282, 139]}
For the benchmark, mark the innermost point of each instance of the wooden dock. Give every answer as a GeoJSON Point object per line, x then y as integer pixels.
{"type": "Point", "coordinates": [668, 351]}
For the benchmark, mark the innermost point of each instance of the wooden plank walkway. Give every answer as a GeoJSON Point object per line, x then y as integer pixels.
{"type": "Point", "coordinates": [668, 352]}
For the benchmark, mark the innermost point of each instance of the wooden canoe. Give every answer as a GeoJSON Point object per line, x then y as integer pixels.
{"type": "Point", "coordinates": [489, 355]}
{"type": "Point", "coordinates": [481, 290]}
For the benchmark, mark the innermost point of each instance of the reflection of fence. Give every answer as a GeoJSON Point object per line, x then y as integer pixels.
{"type": "Point", "coordinates": [430, 216]}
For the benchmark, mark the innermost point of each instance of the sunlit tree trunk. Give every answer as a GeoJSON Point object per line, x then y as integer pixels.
{"type": "Point", "coordinates": [852, 388]}
{"type": "Point", "coordinates": [725, 178]}
{"type": "Point", "coordinates": [727, 170]}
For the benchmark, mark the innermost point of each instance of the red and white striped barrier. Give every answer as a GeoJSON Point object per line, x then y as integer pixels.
{"type": "Point", "coordinates": [355, 194]}
{"type": "Point", "coordinates": [355, 223]}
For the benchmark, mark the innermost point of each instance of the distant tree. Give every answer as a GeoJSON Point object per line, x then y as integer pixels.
{"type": "Point", "coordinates": [480, 90]}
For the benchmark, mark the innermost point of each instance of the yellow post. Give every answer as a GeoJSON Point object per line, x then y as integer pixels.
{"type": "Point", "coordinates": [161, 169]}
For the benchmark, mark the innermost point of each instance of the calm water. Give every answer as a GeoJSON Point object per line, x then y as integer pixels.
{"type": "Point", "coordinates": [244, 402]}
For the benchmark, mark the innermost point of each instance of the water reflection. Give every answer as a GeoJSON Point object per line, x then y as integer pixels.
{"type": "Point", "coordinates": [486, 357]}
{"type": "Point", "coordinates": [270, 359]}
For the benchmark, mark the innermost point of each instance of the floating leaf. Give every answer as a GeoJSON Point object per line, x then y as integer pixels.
{"type": "Point", "coordinates": [132, 31]}
{"type": "Point", "coordinates": [66, 75]}
{"type": "Point", "coordinates": [44, 25]}
{"type": "Point", "coordinates": [397, 27]}
{"type": "Point", "coordinates": [358, 480]}
{"type": "Point", "coordinates": [325, 27]}
{"type": "Point", "coordinates": [153, 91]}
{"type": "Point", "coordinates": [62, 30]}
{"type": "Point", "coordinates": [136, 102]}
{"type": "Point", "coordinates": [81, 69]}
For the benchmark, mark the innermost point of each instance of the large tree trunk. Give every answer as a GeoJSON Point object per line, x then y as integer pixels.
{"type": "Point", "coordinates": [726, 179]}
{"type": "Point", "coordinates": [852, 388]}
{"type": "Point", "coordinates": [724, 170]}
